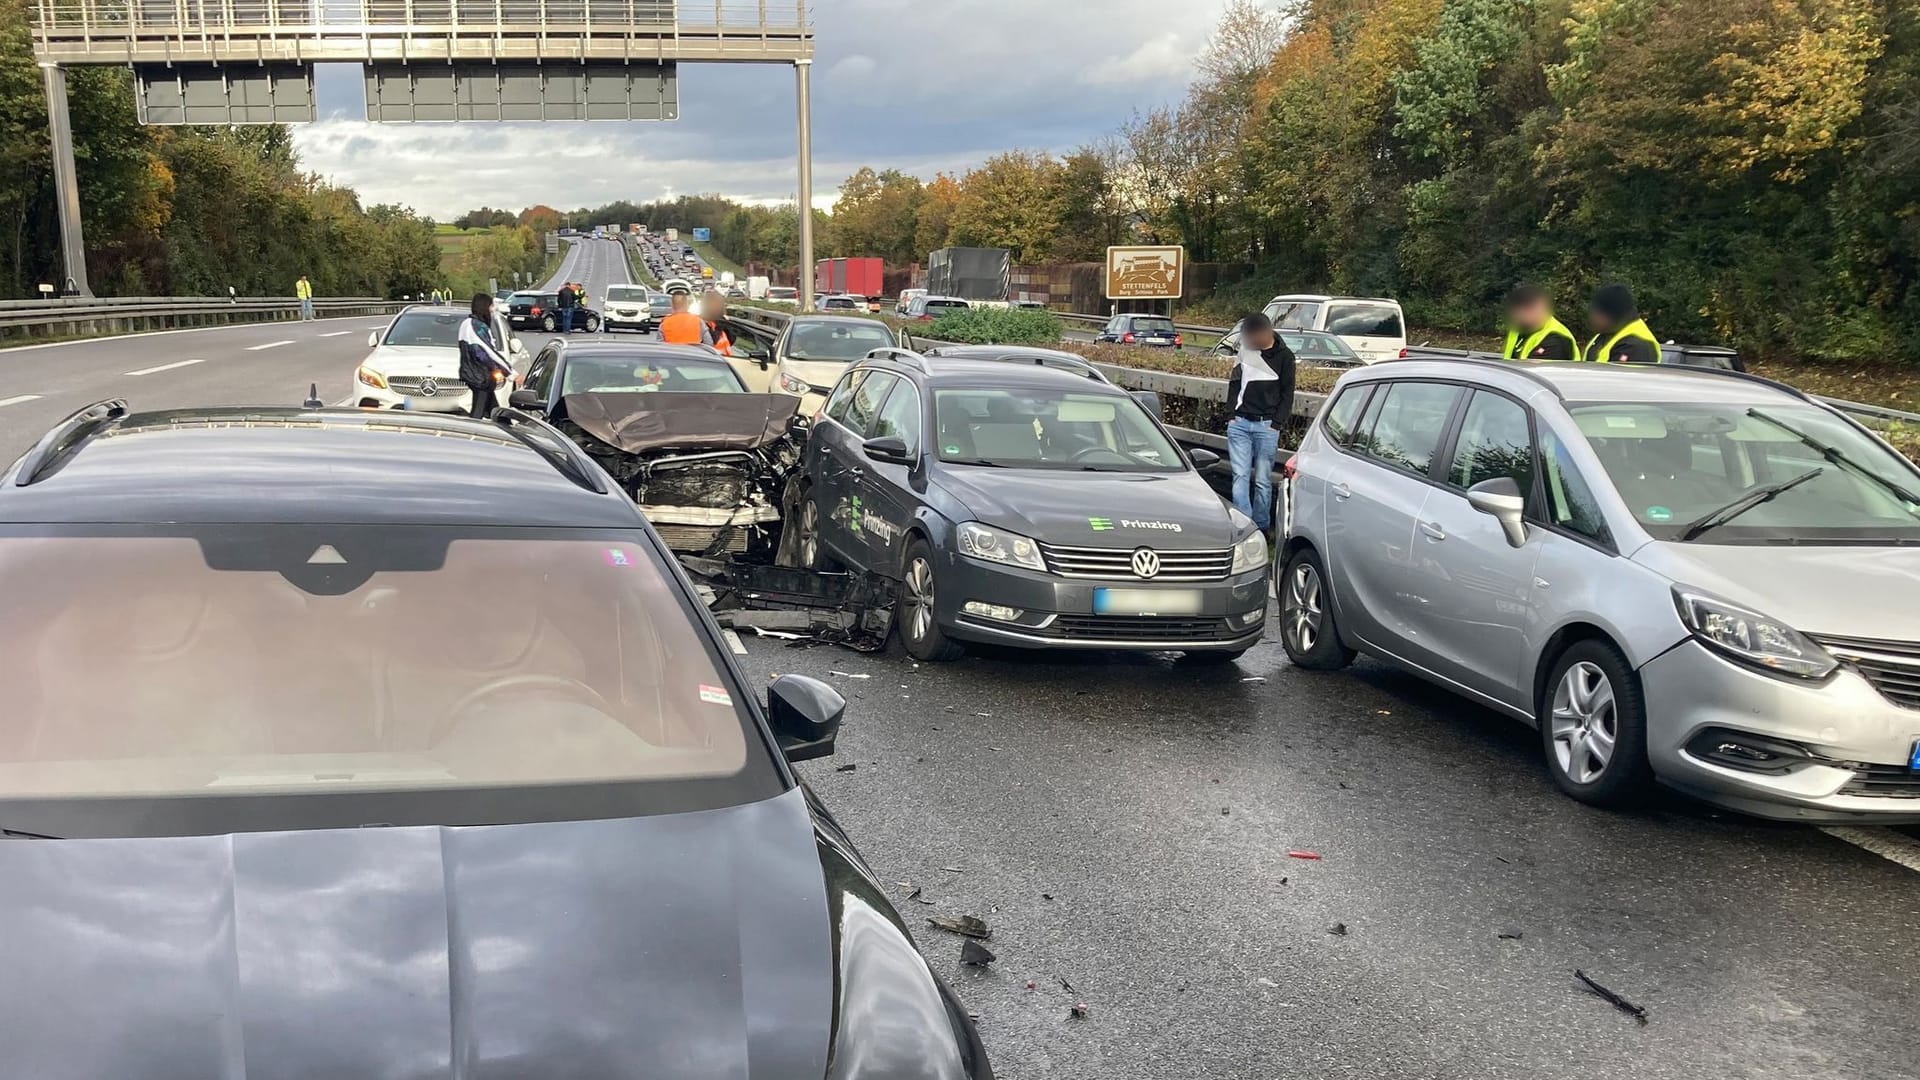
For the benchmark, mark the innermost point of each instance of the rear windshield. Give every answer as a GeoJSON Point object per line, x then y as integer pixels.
{"type": "Point", "coordinates": [947, 305]}
{"type": "Point", "coordinates": [840, 342]}
{"type": "Point", "coordinates": [426, 328]}
{"type": "Point", "coordinates": [1153, 326]}
{"type": "Point", "coordinates": [1360, 319]}
{"type": "Point", "coordinates": [626, 375]}
{"type": "Point", "coordinates": [336, 664]}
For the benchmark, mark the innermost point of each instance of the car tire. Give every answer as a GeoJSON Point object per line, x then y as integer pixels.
{"type": "Point", "coordinates": [915, 614]}
{"type": "Point", "coordinates": [549, 323]}
{"type": "Point", "coordinates": [802, 547]}
{"type": "Point", "coordinates": [1307, 629]}
{"type": "Point", "coordinates": [593, 324]}
{"type": "Point", "coordinates": [1593, 727]}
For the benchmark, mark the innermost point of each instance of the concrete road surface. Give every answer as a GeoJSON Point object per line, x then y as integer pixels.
{"type": "Point", "coordinates": [1125, 825]}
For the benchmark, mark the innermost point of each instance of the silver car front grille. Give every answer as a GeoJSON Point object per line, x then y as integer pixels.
{"type": "Point", "coordinates": [1117, 564]}
{"type": "Point", "coordinates": [416, 386]}
{"type": "Point", "coordinates": [1893, 667]}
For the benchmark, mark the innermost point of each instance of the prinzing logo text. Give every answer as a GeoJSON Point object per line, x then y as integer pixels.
{"type": "Point", "coordinates": [1163, 526]}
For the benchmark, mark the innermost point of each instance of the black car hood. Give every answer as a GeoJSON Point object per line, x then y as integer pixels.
{"type": "Point", "coordinates": [693, 945]}
{"type": "Point", "coordinates": [640, 423]}
{"type": "Point", "coordinates": [1162, 510]}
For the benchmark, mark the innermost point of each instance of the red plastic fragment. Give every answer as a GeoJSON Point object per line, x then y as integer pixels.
{"type": "Point", "coordinates": [1303, 855]}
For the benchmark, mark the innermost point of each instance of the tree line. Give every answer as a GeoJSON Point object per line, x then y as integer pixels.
{"type": "Point", "coordinates": [185, 211]}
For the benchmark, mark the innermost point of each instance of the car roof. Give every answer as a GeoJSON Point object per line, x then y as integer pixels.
{"type": "Point", "coordinates": [640, 350]}
{"type": "Point", "coordinates": [1577, 383]}
{"type": "Point", "coordinates": [847, 320]}
{"type": "Point", "coordinates": [1321, 298]}
{"type": "Point", "coordinates": [308, 466]}
{"type": "Point", "coordinates": [949, 370]}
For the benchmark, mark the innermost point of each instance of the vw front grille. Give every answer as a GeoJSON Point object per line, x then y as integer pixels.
{"type": "Point", "coordinates": [1893, 667]}
{"type": "Point", "coordinates": [1117, 563]}
{"type": "Point", "coordinates": [1170, 630]}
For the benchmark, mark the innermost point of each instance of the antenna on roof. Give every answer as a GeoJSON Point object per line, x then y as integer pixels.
{"type": "Point", "coordinates": [313, 397]}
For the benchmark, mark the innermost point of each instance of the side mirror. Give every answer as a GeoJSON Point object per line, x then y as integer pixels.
{"type": "Point", "coordinates": [1149, 401]}
{"type": "Point", "coordinates": [517, 347]}
{"type": "Point", "coordinates": [805, 715]}
{"type": "Point", "coordinates": [524, 399]}
{"type": "Point", "coordinates": [1202, 457]}
{"type": "Point", "coordinates": [373, 339]}
{"type": "Point", "coordinates": [1501, 498]}
{"type": "Point", "coordinates": [888, 448]}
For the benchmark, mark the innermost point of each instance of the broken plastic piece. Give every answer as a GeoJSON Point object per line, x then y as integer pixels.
{"type": "Point", "coordinates": [974, 954]}
{"type": "Point", "coordinates": [1303, 855]}
{"type": "Point", "coordinates": [848, 767]}
{"type": "Point", "coordinates": [1338, 929]}
{"type": "Point", "coordinates": [1509, 935]}
{"type": "Point", "coordinates": [965, 925]}
{"type": "Point", "coordinates": [1637, 1012]}
{"type": "Point", "coordinates": [1079, 1010]}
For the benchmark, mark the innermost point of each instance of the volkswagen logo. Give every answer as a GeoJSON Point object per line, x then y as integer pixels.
{"type": "Point", "coordinates": [429, 387]}
{"type": "Point", "coordinates": [1146, 562]}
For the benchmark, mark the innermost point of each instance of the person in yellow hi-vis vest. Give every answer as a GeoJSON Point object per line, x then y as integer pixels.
{"type": "Point", "coordinates": [1532, 331]}
{"type": "Point", "coordinates": [304, 290]}
{"type": "Point", "coordinates": [1620, 335]}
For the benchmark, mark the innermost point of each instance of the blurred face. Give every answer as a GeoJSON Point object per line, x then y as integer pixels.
{"type": "Point", "coordinates": [713, 306]}
{"type": "Point", "coordinates": [1600, 320]}
{"type": "Point", "coordinates": [1531, 315]}
{"type": "Point", "coordinates": [681, 301]}
{"type": "Point", "coordinates": [1260, 340]}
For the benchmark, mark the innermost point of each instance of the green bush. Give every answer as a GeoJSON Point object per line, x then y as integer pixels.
{"type": "Point", "coordinates": [997, 326]}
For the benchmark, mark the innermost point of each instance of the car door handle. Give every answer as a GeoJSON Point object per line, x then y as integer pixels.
{"type": "Point", "coordinates": [1340, 491]}
{"type": "Point", "coordinates": [1433, 532]}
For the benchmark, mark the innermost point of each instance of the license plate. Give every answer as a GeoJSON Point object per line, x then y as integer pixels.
{"type": "Point", "coordinates": [1914, 762]}
{"type": "Point", "coordinates": [1146, 601]}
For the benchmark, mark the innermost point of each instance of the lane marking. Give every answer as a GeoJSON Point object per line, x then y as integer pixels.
{"type": "Point", "coordinates": [5, 401]}
{"type": "Point", "coordinates": [269, 345]}
{"type": "Point", "coordinates": [337, 333]}
{"type": "Point", "coordinates": [1883, 842]}
{"type": "Point", "coordinates": [164, 367]}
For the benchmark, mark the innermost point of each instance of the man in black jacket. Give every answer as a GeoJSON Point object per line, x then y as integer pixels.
{"type": "Point", "coordinates": [565, 300]}
{"type": "Point", "coordinates": [1260, 394]}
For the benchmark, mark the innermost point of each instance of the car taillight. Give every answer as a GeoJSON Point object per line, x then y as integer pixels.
{"type": "Point", "coordinates": [535, 310]}
{"type": "Point", "coordinates": [1290, 470]}
{"type": "Point", "coordinates": [1403, 353]}
{"type": "Point", "coordinates": [1127, 338]}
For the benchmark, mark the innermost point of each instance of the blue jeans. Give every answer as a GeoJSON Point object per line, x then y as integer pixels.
{"type": "Point", "coordinates": [566, 320]}
{"type": "Point", "coordinates": [1251, 447]}
{"type": "Point", "coordinates": [306, 308]}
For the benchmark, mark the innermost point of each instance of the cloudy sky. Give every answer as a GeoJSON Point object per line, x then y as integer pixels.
{"type": "Point", "coordinates": [919, 86]}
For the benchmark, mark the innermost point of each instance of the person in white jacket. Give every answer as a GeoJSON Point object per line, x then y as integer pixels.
{"type": "Point", "coordinates": [483, 367]}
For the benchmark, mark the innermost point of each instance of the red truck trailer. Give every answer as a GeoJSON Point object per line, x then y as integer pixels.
{"type": "Point", "coordinates": [860, 276]}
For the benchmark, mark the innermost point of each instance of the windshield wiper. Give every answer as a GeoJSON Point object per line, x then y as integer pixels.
{"type": "Point", "coordinates": [1835, 455]}
{"type": "Point", "coordinates": [16, 834]}
{"type": "Point", "coordinates": [982, 462]}
{"type": "Point", "coordinates": [1745, 503]}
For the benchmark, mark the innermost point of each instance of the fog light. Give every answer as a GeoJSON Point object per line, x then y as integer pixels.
{"type": "Point", "coordinates": [992, 611]}
{"type": "Point", "coordinates": [1748, 753]}
{"type": "Point", "coordinates": [1251, 617]}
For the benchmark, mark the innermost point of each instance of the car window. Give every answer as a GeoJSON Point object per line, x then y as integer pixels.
{"type": "Point", "coordinates": [626, 294]}
{"type": "Point", "coordinates": [429, 328]}
{"type": "Point", "coordinates": [1362, 319]}
{"type": "Point", "coordinates": [1677, 463]}
{"type": "Point", "coordinates": [1050, 429]}
{"type": "Point", "coordinates": [1153, 325]}
{"type": "Point", "coordinates": [645, 375]}
{"type": "Point", "coordinates": [938, 307]}
{"type": "Point", "coordinates": [1338, 419]}
{"type": "Point", "coordinates": [1570, 501]}
{"type": "Point", "coordinates": [900, 417]}
{"type": "Point", "coordinates": [1495, 441]}
{"type": "Point", "coordinates": [839, 341]}
{"type": "Point", "coordinates": [1408, 424]}
{"type": "Point", "coordinates": [540, 375]}
{"type": "Point", "coordinates": [866, 401]}
{"type": "Point", "coordinates": [410, 660]}
{"type": "Point", "coordinates": [842, 397]}
{"type": "Point", "coordinates": [1316, 347]}
{"type": "Point", "coordinates": [1294, 316]}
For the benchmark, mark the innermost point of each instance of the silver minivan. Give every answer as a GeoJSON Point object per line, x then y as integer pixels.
{"type": "Point", "coordinates": [1678, 575]}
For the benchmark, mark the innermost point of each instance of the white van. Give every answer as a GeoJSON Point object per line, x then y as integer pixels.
{"type": "Point", "coordinates": [1373, 327]}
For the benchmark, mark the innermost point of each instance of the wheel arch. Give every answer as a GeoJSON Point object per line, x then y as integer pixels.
{"type": "Point", "coordinates": [1566, 637]}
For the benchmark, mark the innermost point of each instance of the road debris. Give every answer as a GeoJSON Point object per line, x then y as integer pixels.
{"type": "Point", "coordinates": [1224, 811]}
{"type": "Point", "coordinates": [915, 894]}
{"type": "Point", "coordinates": [965, 925]}
{"type": "Point", "coordinates": [1309, 855]}
{"type": "Point", "coordinates": [1509, 935]}
{"type": "Point", "coordinates": [953, 869]}
{"type": "Point", "coordinates": [1067, 986]}
{"type": "Point", "coordinates": [1254, 678]}
{"type": "Point", "coordinates": [974, 954]}
{"type": "Point", "coordinates": [848, 767]}
{"type": "Point", "coordinates": [850, 675]}
{"type": "Point", "coordinates": [1638, 1012]}
{"type": "Point", "coordinates": [1338, 929]}
{"type": "Point", "coordinates": [1046, 896]}
{"type": "Point", "coordinates": [1031, 985]}
{"type": "Point", "coordinates": [1078, 1012]}
{"type": "Point", "coordinates": [1264, 981]}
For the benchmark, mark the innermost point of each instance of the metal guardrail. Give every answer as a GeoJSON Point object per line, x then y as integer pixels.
{"type": "Point", "coordinates": [108, 316]}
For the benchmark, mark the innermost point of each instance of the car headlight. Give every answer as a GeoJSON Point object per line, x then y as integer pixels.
{"type": "Point", "coordinates": [794, 386]}
{"type": "Point", "coordinates": [372, 378]}
{"type": "Point", "coordinates": [1251, 553]}
{"type": "Point", "coordinates": [995, 545]}
{"type": "Point", "coordinates": [1751, 638]}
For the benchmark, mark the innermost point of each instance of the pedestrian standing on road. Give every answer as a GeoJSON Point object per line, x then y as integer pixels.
{"type": "Point", "coordinates": [304, 290]}
{"type": "Point", "coordinates": [1620, 335]}
{"type": "Point", "coordinates": [483, 367]}
{"type": "Point", "coordinates": [683, 327]}
{"type": "Point", "coordinates": [1532, 331]}
{"type": "Point", "coordinates": [564, 302]}
{"type": "Point", "coordinates": [713, 315]}
{"type": "Point", "coordinates": [1260, 392]}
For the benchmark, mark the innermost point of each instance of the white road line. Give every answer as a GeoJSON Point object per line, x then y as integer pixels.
{"type": "Point", "coordinates": [1885, 843]}
{"type": "Point", "coordinates": [4, 401]}
{"type": "Point", "coordinates": [164, 367]}
{"type": "Point", "coordinates": [337, 333]}
{"type": "Point", "coordinates": [269, 345]}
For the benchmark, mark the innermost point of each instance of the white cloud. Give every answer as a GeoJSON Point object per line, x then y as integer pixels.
{"type": "Point", "coordinates": [1166, 56]}
{"type": "Point", "coordinates": [854, 68]}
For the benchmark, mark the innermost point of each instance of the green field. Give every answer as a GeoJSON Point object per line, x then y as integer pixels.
{"type": "Point", "coordinates": [720, 263]}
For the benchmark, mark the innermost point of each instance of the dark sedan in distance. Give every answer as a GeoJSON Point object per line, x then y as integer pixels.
{"type": "Point", "coordinates": [429, 765]}
{"type": "Point", "coordinates": [541, 311]}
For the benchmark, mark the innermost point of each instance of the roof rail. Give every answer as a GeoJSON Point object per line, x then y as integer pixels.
{"type": "Point", "coordinates": [549, 442]}
{"type": "Point", "coordinates": [1726, 373]}
{"type": "Point", "coordinates": [889, 352]}
{"type": "Point", "coordinates": [1039, 356]}
{"type": "Point", "coordinates": [65, 439]}
{"type": "Point", "coordinates": [1524, 370]}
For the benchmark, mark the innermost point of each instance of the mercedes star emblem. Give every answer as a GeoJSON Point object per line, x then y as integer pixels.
{"type": "Point", "coordinates": [1146, 562]}
{"type": "Point", "coordinates": [429, 388]}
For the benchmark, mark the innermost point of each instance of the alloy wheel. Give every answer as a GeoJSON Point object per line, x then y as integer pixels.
{"type": "Point", "coordinates": [809, 539]}
{"type": "Point", "coordinates": [918, 622]}
{"type": "Point", "coordinates": [1304, 614]}
{"type": "Point", "coordinates": [1585, 724]}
